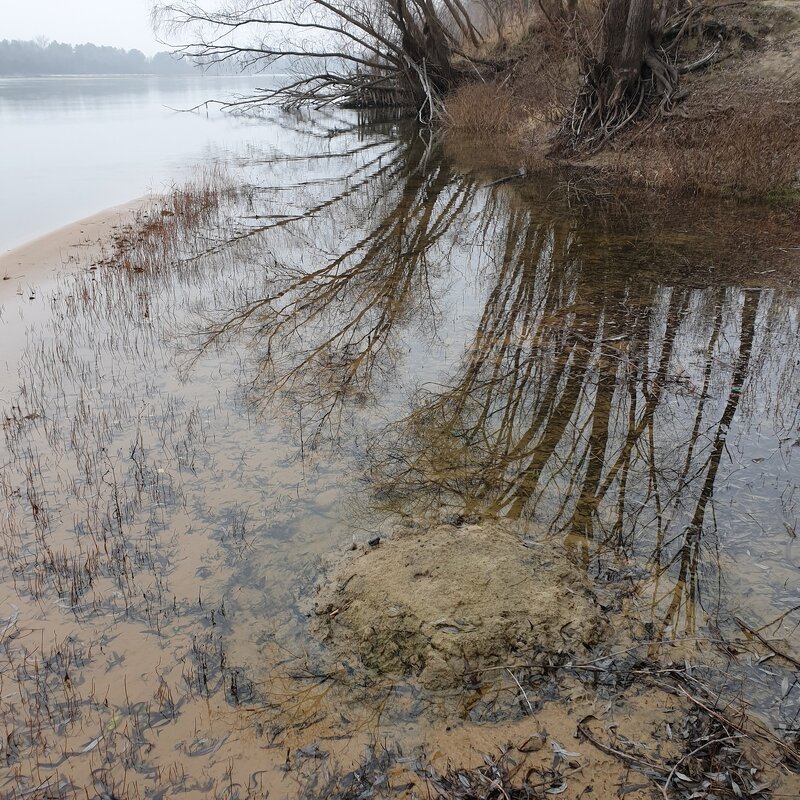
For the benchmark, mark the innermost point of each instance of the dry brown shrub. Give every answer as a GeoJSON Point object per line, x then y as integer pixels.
{"type": "Point", "coordinates": [548, 77]}
{"type": "Point", "coordinates": [545, 41]}
{"type": "Point", "coordinates": [482, 109]}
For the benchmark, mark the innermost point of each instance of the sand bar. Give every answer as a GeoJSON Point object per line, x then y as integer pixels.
{"type": "Point", "coordinates": [41, 259]}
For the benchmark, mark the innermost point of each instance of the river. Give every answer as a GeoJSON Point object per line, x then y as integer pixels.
{"type": "Point", "coordinates": [349, 328]}
{"type": "Point", "coordinates": [73, 146]}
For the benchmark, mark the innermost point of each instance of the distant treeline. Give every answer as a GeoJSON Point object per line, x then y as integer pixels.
{"type": "Point", "coordinates": [52, 58]}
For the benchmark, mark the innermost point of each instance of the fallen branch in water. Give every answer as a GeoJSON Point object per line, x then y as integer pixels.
{"type": "Point", "coordinates": [771, 647]}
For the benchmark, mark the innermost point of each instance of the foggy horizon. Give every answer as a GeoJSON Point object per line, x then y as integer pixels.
{"type": "Point", "coordinates": [84, 22]}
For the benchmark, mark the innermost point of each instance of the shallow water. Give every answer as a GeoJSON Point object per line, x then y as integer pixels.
{"type": "Point", "coordinates": [368, 331]}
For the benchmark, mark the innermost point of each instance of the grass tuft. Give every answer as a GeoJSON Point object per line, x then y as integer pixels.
{"type": "Point", "coordinates": [481, 110]}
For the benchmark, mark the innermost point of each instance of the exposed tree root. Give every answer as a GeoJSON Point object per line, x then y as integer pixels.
{"type": "Point", "coordinates": [613, 98]}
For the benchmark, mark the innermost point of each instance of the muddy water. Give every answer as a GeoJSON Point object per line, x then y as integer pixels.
{"type": "Point", "coordinates": [358, 331]}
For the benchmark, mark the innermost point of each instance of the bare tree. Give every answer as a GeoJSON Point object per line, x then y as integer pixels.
{"type": "Point", "coordinates": [353, 52]}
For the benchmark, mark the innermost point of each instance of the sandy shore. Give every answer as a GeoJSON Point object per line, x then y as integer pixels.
{"type": "Point", "coordinates": [42, 259]}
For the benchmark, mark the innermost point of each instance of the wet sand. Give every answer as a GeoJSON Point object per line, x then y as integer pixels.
{"type": "Point", "coordinates": [41, 259]}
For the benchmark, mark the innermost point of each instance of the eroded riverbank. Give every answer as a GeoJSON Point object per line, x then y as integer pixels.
{"type": "Point", "coordinates": [202, 426]}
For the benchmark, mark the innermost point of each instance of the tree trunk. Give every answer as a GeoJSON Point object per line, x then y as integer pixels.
{"type": "Point", "coordinates": [628, 76]}
{"type": "Point", "coordinates": [626, 34]}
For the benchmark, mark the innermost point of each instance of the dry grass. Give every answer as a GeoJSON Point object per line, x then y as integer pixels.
{"type": "Point", "coordinates": [750, 150]}
{"type": "Point", "coordinates": [482, 110]}
{"type": "Point", "coordinates": [549, 76]}
{"type": "Point", "coordinates": [534, 96]}
{"type": "Point", "coordinates": [750, 154]}
{"type": "Point", "coordinates": [158, 232]}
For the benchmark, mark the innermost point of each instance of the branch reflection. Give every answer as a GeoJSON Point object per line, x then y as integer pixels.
{"type": "Point", "coordinates": [598, 384]}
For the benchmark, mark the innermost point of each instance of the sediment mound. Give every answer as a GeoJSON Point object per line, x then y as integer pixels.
{"type": "Point", "coordinates": [439, 602]}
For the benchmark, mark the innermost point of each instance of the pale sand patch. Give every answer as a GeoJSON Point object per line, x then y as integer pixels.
{"type": "Point", "coordinates": [40, 260]}
{"type": "Point", "coordinates": [435, 602]}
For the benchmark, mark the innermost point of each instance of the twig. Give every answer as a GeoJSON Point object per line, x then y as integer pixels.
{"type": "Point", "coordinates": [764, 734]}
{"type": "Point", "coordinates": [683, 758]}
{"type": "Point", "coordinates": [638, 762]}
{"type": "Point", "coordinates": [745, 627]}
{"type": "Point", "coordinates": [528, 702]}
{"type": "Point", "coordinates": [794, 608]}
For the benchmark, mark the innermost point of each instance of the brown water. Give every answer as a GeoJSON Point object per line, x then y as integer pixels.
{"type": "Point", "coordinates": [370, 331]}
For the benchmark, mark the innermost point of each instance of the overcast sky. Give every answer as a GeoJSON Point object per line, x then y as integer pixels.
{"type": "Point", "coordinates": [120, 23]}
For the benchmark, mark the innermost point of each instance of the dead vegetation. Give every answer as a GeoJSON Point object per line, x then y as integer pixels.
{"type": "Point", "coordinates": [750, 153]}
{"type": "Point", "coordinates": [87, 559]}
{"type": "Point", "coordinates": [721, 118]}
{"type": "Point", "coordinates": [697, 749]}
{"type": "Point", "coordinates": [481, 110]}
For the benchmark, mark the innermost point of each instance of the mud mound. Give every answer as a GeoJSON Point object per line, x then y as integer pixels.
{"type": "Point", "coordinates": [438, 602]}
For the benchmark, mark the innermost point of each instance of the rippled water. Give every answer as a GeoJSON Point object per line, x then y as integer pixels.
{"type": "Point", "coordinates": [371, 330]}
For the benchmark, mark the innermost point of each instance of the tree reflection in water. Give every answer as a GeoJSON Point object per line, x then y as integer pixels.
{"type": "Point", "coordinates": [325, 330]}
{"type": "Point", "coordinates": [604, 389]}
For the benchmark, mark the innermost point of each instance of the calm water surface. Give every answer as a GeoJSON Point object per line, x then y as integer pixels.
{"type": "Point", "coordinates": [73, 146]}
{"type": "Point", "coordinates": [372, 331]}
